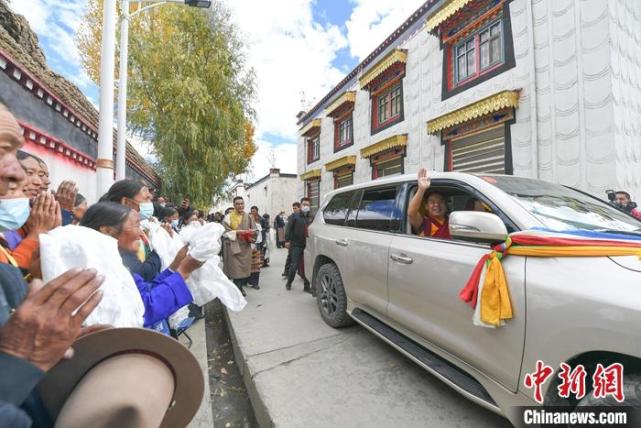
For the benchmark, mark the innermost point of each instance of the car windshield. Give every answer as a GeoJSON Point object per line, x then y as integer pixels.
{"type": "Point", "coordinates": [562, 208]}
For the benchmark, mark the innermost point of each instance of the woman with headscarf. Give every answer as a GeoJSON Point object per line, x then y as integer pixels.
{"type": "Point", "coordinates": [167, 291]}
{"type": "Point", "coordinates": [139, 258]}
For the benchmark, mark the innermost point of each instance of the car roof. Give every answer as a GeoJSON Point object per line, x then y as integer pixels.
{"type": "Point", "coordinates": [404, 178]}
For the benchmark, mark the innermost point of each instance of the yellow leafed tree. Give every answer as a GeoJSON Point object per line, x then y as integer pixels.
{"type": "Point", "coordinates": [189, 93]}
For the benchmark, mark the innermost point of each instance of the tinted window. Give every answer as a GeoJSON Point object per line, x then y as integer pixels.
{"type": "Point", "coordinates": [562, 208]}
{"type": "Point", "coordinates": [337, 208]}
{"type": "Point", "coordinates": [377, 210]}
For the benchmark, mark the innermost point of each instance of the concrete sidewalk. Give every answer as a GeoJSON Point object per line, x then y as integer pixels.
{"type": "Point", "coordinates": [301, 372]}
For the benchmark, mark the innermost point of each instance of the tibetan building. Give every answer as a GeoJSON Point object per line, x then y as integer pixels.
{"type": "Point", "coordinates": [60, 125]}
{"type": "Point", "coordinates": [548, 90]}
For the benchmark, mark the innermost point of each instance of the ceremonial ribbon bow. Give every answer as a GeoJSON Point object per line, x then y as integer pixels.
{"type": "Point", "coordinates": [495, 297]}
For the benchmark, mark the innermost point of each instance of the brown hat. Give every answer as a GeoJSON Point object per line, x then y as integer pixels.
{"type": "Point", "coordinates": [124, 377]}
{"type": "Point", "coordinates": [9, 128]}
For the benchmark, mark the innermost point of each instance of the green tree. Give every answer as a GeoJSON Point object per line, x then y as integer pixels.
{"type": "Point", "coordinates": [190, 94]}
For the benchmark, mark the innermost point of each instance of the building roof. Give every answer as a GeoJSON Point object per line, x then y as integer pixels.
{"type": "Point", "coordinates": [280, 175]}
{"type": "Point", "coordinates": [21, 44]}
{"type": "Point", "coordinates": [411, 22]}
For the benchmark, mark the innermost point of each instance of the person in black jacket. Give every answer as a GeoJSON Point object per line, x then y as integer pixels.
{"type": "Point", "coordinates": [296, 239]}
{"type": "Point", "coordinates": [288, 260]}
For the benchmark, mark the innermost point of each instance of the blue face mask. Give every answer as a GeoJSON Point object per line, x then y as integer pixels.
{"type": "Point", "coordinates": [13, 213]}
{"type": "Point", "coordinates": [174, 223]}
{"type": "Point", "coordinates": [146, 210]}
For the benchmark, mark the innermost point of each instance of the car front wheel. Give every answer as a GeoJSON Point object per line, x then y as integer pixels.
{"type": "Point", "coordinates": [331, 297]}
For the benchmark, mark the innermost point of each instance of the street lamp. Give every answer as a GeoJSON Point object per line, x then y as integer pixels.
{"type": "Point", "coordinates": [122, 84]}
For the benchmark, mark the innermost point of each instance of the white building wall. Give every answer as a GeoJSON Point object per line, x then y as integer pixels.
{"type": "Point", "coordinates": [625, 70]}
{"type": "Point", "coordinates": [271, 196]}
{"type": "Point", "coordinates": [578, 66]}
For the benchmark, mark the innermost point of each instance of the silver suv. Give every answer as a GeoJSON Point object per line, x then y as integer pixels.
{"type": "Point", "coordinates": [368, 267]}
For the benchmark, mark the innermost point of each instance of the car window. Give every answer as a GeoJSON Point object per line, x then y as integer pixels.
{"type": "Point", "coordinates": [336, 210]}
{"type": "Point", "coordinates": [378, 210]}
{"type": "Point", "coordinates": [561, 208]}
{"type": "Point", "coordinates": [460, 199]}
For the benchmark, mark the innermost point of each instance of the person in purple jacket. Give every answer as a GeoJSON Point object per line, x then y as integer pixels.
{"type": "Point", "coordinates": [167, 292]}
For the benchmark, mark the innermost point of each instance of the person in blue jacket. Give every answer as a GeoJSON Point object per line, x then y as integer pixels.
{"type": "Point", "coordinates": [166, 292]}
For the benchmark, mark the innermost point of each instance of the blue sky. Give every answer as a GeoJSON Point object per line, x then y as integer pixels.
{"type": "Point", "coordinates": [299, 50]}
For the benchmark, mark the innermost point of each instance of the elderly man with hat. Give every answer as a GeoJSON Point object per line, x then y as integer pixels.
{"type": "Point", "coordinates": [43, 341]}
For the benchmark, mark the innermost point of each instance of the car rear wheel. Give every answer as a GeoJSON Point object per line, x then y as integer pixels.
{"type": "Point", "coordinates": [331, 297]}
{"type": "Point", "coordinates": [631, 393]}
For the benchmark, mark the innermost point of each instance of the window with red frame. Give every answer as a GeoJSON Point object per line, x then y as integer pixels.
{"type": "Point", "coordinates": [387, 107]}
{"type": "Point", "coordinates": [479, 53]}
{"type": "Point", "coordinates": [343, 132]}
{"type": "Point", "coordinates": [313, 148]}
{"type": "Point", "coordinates": [388, 167]}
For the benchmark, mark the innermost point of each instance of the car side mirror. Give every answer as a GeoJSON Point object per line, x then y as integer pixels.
{"type": "Point", "coordinates": [477, 226]}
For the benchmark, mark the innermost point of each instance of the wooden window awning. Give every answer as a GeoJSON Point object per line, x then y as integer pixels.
{"type": "Point", "coordinates": [388, 143]}
{"type": "Point", "coordinates": [311, 174]}
{"type": "Point", "coordinates": [311, 128]}
{"type": "Point", "coordinates": [486, 106]}
{"type": "Point", "coordinates": [397, 56]}
{"type": "Point", "coordinates": [446, 12]}
{"type": "Point", "coordinates": [340, 162]}
{"type": "Point", "coordinates": [341, 105]}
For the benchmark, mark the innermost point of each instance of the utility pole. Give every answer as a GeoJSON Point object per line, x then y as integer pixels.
{"type": "Point", "coordinates": [105, 162]}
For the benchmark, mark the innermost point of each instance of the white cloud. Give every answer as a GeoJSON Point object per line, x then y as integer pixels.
{"type": "Point", "coordinates": [56, 23]}
{"type": "Point", "coordinates": [284, 156]}
{"type": "Point", "coordinates": [371, 22]}
{"type": "Point", "coordinates": [291, 54]}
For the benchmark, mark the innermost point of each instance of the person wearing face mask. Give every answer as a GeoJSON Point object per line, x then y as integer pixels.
{"type": "Point", "coordinates": [15, 212]}
{"type": "Point", "coordinates": [170, 216]}
{"type": "Point", "coordinates": [133, 194]}
{"type": "Point", "coordinates": [296, 240]}
{"type": "Point", "coordinates": [166, 292]}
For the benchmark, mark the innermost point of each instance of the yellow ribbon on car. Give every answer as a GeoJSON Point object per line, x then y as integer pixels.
{"type": "Point", "coordinates": [494, 297]}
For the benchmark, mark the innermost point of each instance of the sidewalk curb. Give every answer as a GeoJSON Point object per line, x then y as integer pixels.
{"type": "Point", "coordinates": [260, 409]}
{"type": "Point", "coordinates": [204, 417]}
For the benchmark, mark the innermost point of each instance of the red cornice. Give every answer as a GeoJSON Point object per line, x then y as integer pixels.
{"type": "Point", "coordinates": [28, 81]}
{"type": "Point", "coordinates": [51, 143]}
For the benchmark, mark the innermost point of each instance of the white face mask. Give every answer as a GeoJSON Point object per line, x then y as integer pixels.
{"type": "Point", "coordinates": [146, 210]}
{"type": "Point", "coordinates": [305, 209]}
{"type": "Point", "coordinates": [13, 213]}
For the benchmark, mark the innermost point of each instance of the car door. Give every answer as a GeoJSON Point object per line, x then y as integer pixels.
{"type": "Point", "coordinates": [425, 276]}
{"type": "Point", "coordinates": [371, 223]}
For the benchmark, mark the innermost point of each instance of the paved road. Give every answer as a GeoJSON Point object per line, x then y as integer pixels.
{"type": "Point", "coordinates": [301, 372]}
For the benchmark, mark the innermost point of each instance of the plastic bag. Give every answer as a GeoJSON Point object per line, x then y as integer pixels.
{"type": "Point", "coordinates": [73, 246]}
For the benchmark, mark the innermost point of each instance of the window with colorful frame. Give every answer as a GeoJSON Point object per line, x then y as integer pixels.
{"type": "Point", "coordinates": [313, 148]}
{"type": "Point", "coordinates": [387, 106]}
{"type": "Point", "coordinates": [312, 191]}
{"type": "Point", "coordinates": [343, 132]}
{"type": "Point", "coordinates": [390, 162]}
{"type": "Point", "coordinates": [480, 146]}
{"type": "Point", "coordinates": [477, 45]}
{"type": "Point", "coordinates": [344, 176]}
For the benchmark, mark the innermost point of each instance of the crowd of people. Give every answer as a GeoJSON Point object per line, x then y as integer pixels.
{"type": "Point", "coordinates": [246, 245]}
{"type": "Point", "coordinates": [39, 322]}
